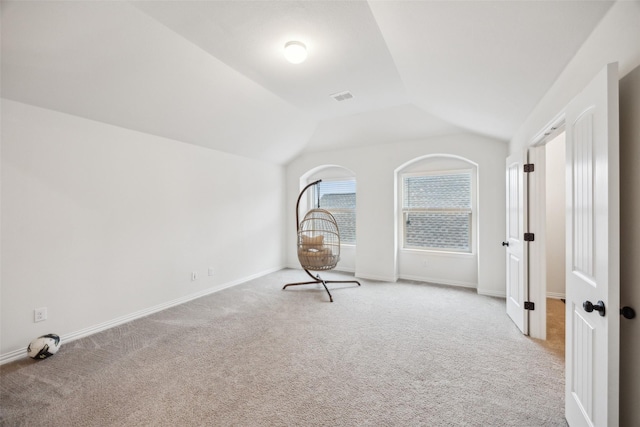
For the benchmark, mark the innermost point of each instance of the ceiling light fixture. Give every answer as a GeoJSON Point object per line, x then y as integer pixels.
{"type": "Point", "coordinates": [295, 52]}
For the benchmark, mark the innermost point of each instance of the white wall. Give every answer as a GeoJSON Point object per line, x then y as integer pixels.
{"type": "Point", "coordinates": [615, 39]}
{"type": "Point", "coordinates": [101, 224]}
{"type": "Point", "coordinates": [555, 216]}
{"type": "Point", "coordinates": [374, 167]}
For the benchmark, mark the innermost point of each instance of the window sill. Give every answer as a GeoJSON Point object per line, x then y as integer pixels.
{"type": "Point", "coordinates": [433, 252]}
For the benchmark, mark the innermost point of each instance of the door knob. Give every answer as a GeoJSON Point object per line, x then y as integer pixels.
{"type": "Point", "coordinates": [505, 243]}
{"type": "Point", "coordinates": [628, 312]}
{"type": "Point", "coordinates": [589, 307]}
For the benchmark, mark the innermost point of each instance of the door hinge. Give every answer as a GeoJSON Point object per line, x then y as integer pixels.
{"type": "Point", "coordinates": [529, 237]}
{"type": "Point", "coordinates": [528, 305]}
{"type": "Point", "coordinates": [528, 167]}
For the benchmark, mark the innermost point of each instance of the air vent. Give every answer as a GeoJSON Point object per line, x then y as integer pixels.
{"type": "Point", "coordinates": [342, 96]}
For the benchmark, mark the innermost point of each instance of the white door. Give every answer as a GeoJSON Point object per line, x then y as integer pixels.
{"type": "Point", "coordinates": [516, 249]}
{"type": "Point", "coordinates": [593, 254]}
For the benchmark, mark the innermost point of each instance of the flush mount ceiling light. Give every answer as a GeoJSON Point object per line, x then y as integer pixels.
{"type": "Point", "coordinates": [295, 52]}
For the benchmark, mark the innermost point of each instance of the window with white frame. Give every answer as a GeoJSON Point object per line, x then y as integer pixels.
{"type": "Point", "coordinates": [338, 196]}
{"type": "Point", "coordinates": [437, 210]}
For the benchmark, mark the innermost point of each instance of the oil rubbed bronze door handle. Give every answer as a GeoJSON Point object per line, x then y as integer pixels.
{"type": "Point", "coordinates": [505, 243]}
{"type": "Point", "coordinates": [589, 307]}
{"type": "Point", "coordinates": [627, 312]}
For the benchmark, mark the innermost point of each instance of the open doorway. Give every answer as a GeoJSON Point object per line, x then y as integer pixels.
{"type": "Point", "coordinates": [592, 250]}
{"type": "Point", "coordinates": [555, 232]}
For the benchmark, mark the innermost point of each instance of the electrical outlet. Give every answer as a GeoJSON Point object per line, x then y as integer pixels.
{"type": "Point", "coordinates": [194, 275]}
{"type": "Point", "coordinates": [210, 272]}
{"type": "Point", "coordinates": [40, 314]}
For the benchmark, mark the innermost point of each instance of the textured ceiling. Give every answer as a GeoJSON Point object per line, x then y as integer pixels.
{"type": "Point", "coordinates": [212, 73]}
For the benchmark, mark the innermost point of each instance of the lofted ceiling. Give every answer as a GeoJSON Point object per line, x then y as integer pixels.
{"type": "Point", "coordinates": [212, 73]}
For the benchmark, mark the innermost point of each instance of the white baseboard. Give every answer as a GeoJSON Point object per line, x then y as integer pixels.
{"type": "Point", "coordinates": [345, 270]}
{"type": "Point", "coordinates": [338, 269]}
{"type": "Point", "coordinates": [499, 294]}
{"type": "Point", "coordinates": [377, 278]}
{"type": "Point", "coordinates": [22, 352]}
{"type": "Point", "coordinates": [439, 281]}
{"type": "Point", "coordinates": [556, 295]}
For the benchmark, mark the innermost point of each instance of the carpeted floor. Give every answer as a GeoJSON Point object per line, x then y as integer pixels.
{"type": "Point", "coordinates": [384, 354]}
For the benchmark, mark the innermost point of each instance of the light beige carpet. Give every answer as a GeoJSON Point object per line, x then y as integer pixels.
{"type": "Point", "coordinates": [384, 354]}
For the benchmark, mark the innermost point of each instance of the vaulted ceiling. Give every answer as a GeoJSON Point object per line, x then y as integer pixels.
{"type": "Point", "coordinates": [212, 73]}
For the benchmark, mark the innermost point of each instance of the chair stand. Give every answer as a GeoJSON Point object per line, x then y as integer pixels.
{"type": "Point", "coordinates": [318, 279]}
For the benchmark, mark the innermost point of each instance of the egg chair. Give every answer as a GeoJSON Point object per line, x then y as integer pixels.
{"type": "Point", "coordinates": [318, 244]}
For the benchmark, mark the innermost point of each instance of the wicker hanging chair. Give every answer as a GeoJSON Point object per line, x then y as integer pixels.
{"type": "Point", "coordinates": [318, 244]}
{"type": "Point", "coordinates": [318, 241]}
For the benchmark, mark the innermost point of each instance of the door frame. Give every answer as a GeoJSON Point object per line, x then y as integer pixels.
{"type": "Point", "coordinates": [537, 225]}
